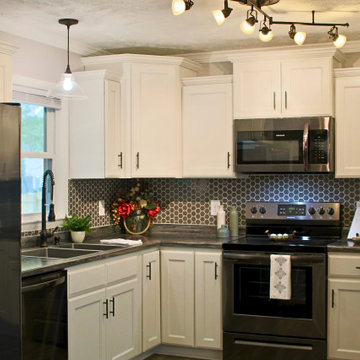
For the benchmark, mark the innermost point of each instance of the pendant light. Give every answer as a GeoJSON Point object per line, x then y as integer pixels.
{"type": "Point", "coordinates": [265, 32]}
{"type": "Point", "coordinates": [221, 15]}
{"type": "Point", "coordinates": [298, 36]}
{"type": "Point", "coordinates": [339, 40]}
{"type": "Point", "coordinates": [67, 87]}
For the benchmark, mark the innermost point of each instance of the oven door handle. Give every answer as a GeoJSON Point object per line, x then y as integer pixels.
{"type": "Point", "coordinates": [265, 258]}
{"type": "Point", "coordinates": [306, 146]}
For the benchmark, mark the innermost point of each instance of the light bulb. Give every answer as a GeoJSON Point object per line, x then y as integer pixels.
{"type": "Point", "coordinates": [219, 17]}
{"type": "Point", "coordinates": [178, 7]}
{"type": "Point", "coordinates": [340, 41]}
{"type": "Point", "coordinates": [247, 28]}
{"type": "Point", "coordinates": [266, 37]}
{"type": "Point", "coordinates": [68, 82]}
{"type": "Point", "coordinates": [300, 37]}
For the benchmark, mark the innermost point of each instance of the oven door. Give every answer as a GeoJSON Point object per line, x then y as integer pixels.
{"type": "Point", "coordinates": [247, 307]}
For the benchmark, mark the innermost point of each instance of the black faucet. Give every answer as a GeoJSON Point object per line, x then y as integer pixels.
{"type": "Point", "coordinates": [45, 234]}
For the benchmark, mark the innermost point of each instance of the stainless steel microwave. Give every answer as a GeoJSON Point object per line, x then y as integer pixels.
{"type": "Point", "coordinates": [285, 145]}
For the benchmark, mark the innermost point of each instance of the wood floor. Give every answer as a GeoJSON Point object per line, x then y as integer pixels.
{"type": "Point", "coordinates": [167, 357]}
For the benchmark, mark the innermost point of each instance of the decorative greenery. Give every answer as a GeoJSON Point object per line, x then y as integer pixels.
{"type": "Point", "coordinates": [78, 223]}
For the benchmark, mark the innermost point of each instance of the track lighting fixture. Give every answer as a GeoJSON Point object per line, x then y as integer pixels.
{"type": "Point", "coordinates": [248, 25]}
{"type": "Point", "coordinates": [265, 33]}
{"type": "Point", "coordinates": [221, 15]}
{"type": "Point", "coordinates": [298, 37]}
{"type": "Point", "coordinates": [180, 6]}
{"type": "Point", "coordinates": [67, 87]}
{"type": "Point", "coordinates": [338, 40]}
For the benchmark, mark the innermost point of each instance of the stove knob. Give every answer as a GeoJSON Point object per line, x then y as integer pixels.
{"type": "Point", "coordinates": [321, 211]}
{"type": "Point", "coordinates": [330, 211]}
{"type": "Point", "coordinates": [262, 210]}
{"type": "Point", "coordinates": [253, 210]}
{"type": "Point", "coordinates": [312, 211]}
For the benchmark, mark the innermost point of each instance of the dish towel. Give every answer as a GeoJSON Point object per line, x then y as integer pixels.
{"type": "Point", "coordinates": [121, 242]}
{"type": "Point", "coordinates": [280, 277]}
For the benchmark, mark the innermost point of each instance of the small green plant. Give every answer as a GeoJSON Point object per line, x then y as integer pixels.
{"type": "Point", "coordinates": [78, 223]}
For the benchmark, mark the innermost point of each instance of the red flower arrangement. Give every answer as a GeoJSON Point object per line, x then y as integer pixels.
{"type": "Point", "coordinates": [134, 201]}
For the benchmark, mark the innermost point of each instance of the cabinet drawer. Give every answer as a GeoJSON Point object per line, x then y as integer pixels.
{"type": "Point", "coordinates": [122, 269]}
{"type": "Point", "coordinates": [86, 278]}
{"type": "Point", "coordinates": [344, 265]}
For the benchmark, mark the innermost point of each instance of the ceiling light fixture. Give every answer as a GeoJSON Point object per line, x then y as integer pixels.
{"type": "Point", "coordinates": [221, 15]}
{"type": "Point", "coordinates": [265, 33]}
{"type": "Point", "coordinates": [338, 40]}
{"type": "Point", "coordinates": [248, 25]}
{"type": "Point", "coordinates": [67, 87]}
{"type": "Point", "coordinates": [298, 36]}
{"type": "Point", "coordinates": [180, 6]}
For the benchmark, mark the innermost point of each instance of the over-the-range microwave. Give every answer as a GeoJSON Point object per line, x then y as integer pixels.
{"type": "Point", "coordinates": [287, 145]}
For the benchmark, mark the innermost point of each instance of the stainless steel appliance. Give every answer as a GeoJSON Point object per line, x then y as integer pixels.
{"type": "Point", "coordinates": [284, 145]}
{"type": "Point", "coordinates": [10, 229]}
{"type": "Point", "coordinates": [44, 317]}
{"type": "Point", "coordinates": [257, 327]}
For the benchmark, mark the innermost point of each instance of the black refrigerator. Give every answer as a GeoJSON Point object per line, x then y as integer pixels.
{"type": "Point", "coordinates": [10, 232]}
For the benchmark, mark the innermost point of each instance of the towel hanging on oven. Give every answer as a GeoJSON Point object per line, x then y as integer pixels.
{"type": "Point", "coordinates": [280, 277]}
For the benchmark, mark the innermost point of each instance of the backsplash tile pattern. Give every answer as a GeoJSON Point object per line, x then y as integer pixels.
{"type": "Point", "coordinates": [187, 201]}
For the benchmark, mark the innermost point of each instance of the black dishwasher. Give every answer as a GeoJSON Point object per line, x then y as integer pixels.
{"type": "Point", "coordinates": [44, 317]}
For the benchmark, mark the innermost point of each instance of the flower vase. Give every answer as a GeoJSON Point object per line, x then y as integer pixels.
{"type": "Point", "coordinates": [137, 223]}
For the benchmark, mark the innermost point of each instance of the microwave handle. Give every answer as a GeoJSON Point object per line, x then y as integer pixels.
{"type": "Point", "coordinates": [306, 146]}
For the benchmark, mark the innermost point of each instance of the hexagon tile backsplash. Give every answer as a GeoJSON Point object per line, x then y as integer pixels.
{"type": "Point", "coordinates": [187, 201]}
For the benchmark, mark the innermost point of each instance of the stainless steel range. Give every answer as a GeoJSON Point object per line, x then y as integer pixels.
{"type": "Point", "coordinates": [257, 327]}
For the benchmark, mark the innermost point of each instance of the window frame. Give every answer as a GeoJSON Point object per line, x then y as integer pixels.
{"type": "Point", "coordinates": [57, 149]}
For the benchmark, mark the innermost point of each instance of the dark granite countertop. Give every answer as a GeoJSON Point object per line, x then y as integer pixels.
{"type": "Point", "coordinates": [344, 245]}
{"type": "Point", "coordinates": [164, 235]}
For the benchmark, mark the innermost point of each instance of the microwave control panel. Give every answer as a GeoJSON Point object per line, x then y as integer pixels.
{"type": "Point", "coordinates": [318, 146]}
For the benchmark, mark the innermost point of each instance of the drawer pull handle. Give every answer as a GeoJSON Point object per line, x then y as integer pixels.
{"type": "Point", "coordinates": [106, 303]}
{"type": "Point", "coordinates": [228, 160]}
{"type": "Point", "coordinates": [137, 160]}
{"type": "Point", "coordinates": [149, 273]}
{"type": "Point", "coordinates": [358, 267]}
{"type": "Point", "coordinates": [332, 298]}
{"type": "Point", "coordinates": [216, 271]}
{"type": "Point", "coordinates": [274, 98]}
{"type": "Point", "coordinates": [112, 312]}
{"type": "Point", "coordinates": [286, 100]}
{"type": "Point", "coordinates": [120, 156]}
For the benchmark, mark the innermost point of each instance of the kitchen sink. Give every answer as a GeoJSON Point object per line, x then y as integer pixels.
{"type": "Point", "coordinates": [98, 247]}
{"type": "Point", "coordinates": [62, 253]}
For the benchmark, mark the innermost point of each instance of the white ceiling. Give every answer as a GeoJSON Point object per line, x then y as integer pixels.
{"type": "Point", "coordinates": [117, 26]}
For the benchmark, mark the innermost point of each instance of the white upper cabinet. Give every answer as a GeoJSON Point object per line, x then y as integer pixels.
{"type": "Point", "coordinates": [96, 132]}
{"type": "Point", "coordinates": [207, 127]}
{"type": "Point", "coordinates": [150, 111]}
{"type": "Point", "coordinates": [6, 71]}
{"type": "Point", "coordinates": [347, 110]}
{"type": "Point", "coordinates": [283, 84]}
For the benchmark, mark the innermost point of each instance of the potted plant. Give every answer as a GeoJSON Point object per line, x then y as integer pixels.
{"type": "Point", "coordinates": [78, 226]}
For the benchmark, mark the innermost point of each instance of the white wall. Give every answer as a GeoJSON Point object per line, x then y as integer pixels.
{"type": "Point", "coordinates": [39, 61]}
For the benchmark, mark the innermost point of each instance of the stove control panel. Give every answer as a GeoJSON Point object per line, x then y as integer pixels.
{"type": "Point", "coordinates": [293, 211]}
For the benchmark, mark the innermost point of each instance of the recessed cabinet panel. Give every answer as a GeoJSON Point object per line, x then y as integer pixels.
{"type": "Point", "coordinates": [257, 89]}
{"type": "Point", "coordinates": [347, 126]}
{"type": "Point", "coordinates": [156, 123]}
{"type": "Point", "coordinates": [207, 130]}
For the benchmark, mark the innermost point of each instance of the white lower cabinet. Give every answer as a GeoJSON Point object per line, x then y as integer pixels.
{"type": "Point", "coordinates": [104, 310]}
{"type": "Point", "coordinates": [344, 307]}
{"type": "Point", "coordinates": [151, 300]}
{"type": "Point", "coordinates": [191, 298]}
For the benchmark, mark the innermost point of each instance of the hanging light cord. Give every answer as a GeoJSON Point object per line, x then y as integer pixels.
{"type": "Point", "coordinates": [68, 71]}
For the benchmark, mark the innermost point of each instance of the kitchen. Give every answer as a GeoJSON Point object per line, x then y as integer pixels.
{"type": "Point", "coordinates": [182, 178]}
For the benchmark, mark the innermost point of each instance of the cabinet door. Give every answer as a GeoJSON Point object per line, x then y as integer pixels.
{"type": "Point", "coordinates": [343, 319]}
{"type": "Point", "coordinates": [156, 121]}
{"type": "Point", "coordinates": [208, 314]}
{"type": "Point", "coordinates": [347, 127]}
{"type": "Point", "coordinates": [207, 130]}
{"type": "Point", "coordinates": [86, 333]}
{"type": "Point", "coordinates": [151, 300]}
{"type": "Point", "coordinates": [114, 144]}
{"type": "Point", "coordinates": [307, 87]}
{"type": "Point", "coordinates": [123, 327]}
{"type": "Point", "coordinates": [6, 73]}
{"type": "Point", "coordinates": [257, 89]}
{"type": "Point", "coordinates": [177, 297]}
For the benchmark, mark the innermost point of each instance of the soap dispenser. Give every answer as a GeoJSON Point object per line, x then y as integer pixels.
{"type": "Point", "coordinates": [220, 217]}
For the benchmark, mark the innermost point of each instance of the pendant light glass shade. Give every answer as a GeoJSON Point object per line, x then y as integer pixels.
{"type": "Point", "coordinates": [67, 87]}
{"type": "Point", "coordinates": [247, 28]}
{"type": "Point", "coordinates": [178, 7]}
{"type": "Point", "coordinates": [265, 37]}
{"type": "Point", "coordinates": [340, 41]}
{"type": "Point", "coordinates": [219, 17]}
{"type": "Point", "coordinates": [300, 37]}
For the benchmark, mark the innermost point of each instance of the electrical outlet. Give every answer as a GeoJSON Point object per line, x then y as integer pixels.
{"type": "Point", "coordinates": [214, 207]}
{"type": "Point", "coordinates": [358, 204]}
{"type": "Point", "coordinates": [101, 207]}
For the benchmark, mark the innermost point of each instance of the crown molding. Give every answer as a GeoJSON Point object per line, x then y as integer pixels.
{"type": "Point", "coordinates": [7, 49]}
{"type": "Point", "coordinates": [143, 59]}
{"type": "Point", "coordinates": [347, 72]}
{"type": "Point", "coordinates": [318, 50]}
{"type": "Point", "coordinates": [207, 80]}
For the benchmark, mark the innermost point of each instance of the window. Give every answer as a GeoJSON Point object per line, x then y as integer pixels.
{"type": "Point", "coordinates": [37, 153]}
